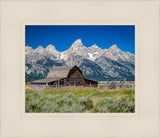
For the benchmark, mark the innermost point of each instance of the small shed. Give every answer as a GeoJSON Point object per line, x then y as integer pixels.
{"type": "Point", "coordinates": [61, 76]}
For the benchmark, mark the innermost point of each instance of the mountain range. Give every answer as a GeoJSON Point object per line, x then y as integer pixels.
{"type": "Point", "coordinates": [95, 63]}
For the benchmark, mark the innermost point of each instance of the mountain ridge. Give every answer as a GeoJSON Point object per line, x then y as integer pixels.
{"type": "Point", "coordinates": [96, 63]}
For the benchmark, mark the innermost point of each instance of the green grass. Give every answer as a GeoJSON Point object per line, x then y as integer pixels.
{"type": "Point", "coordinates": [81, 91]}
{"type": "Point", "coordinates": [80, 99]}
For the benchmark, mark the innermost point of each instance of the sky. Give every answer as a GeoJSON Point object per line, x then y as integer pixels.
{"type": "Point", "coordinates": [63, 36]}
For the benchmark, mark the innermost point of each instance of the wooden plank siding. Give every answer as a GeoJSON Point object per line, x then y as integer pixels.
{"type": "Point", "coordinates": [39, 86]}
{"type": "Point", "coordinates": [76, 77]}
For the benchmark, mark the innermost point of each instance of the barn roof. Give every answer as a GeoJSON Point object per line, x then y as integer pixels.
{"type": "Point", "coordinates": [46, 80]}
{"type": "Point", "coordinates": [90, 80]}
{"type": "Point", "coordinates": [60, 71]}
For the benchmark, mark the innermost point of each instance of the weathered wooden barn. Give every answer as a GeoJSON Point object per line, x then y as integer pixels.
{"type": "Point", "coordinates": [61, 76]}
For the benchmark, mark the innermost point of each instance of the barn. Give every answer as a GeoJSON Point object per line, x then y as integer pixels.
{"type": "Point", "coordinates": [62, 76]}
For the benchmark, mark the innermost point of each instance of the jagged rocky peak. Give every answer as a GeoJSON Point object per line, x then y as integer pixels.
{"type": "Point", "coordinates": [77, 45]}
{"type": "Point", "coordinates": [129, 53]}
{"type": "Point", "coordinates": [114, 47]}
{"type": "Point", "coordinates": [93, 54]}
{"type": "Point", "coordinates": [28, 49]}
{"type": "Point", "coordinates": [94, 46]}
{"type": "Point", "coordinates": [78, 41]}
{"type": "Point", "coordinates": [51, 48]}
{"type": "Point", "coordinates": [39, 49]}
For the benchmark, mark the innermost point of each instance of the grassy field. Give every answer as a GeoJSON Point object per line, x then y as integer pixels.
{"type": "Point", "coordinates": [80, 99]}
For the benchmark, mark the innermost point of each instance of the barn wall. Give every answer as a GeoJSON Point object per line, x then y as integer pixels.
{"type": "Point", "coordinates": [76, 78]}
{"type": "Point", "coordinates": [90, 82]}
{"type": "Point", "coordinates": [38, 86]}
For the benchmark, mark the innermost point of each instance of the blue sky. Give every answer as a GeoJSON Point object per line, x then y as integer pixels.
{"type": "Point", "coordinates": [62, 36]}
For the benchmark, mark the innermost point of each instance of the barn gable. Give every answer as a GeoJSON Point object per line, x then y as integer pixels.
{"type": "Point", "coordinates": [75, 72]}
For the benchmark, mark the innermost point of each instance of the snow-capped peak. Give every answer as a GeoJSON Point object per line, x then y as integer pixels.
{"type": "Point", "coordinates": [114, 47]}
{"type": "Point", "coordinates": [51, 48]}
{"type": "Point", "coordinates": [28, 49]}
{"type": "Point", "coordinates": [78, 41]}
{"type": "Point", "coordinates": [39, 49]}
{"type": "Point", "coordinates": [77, 45]}
{"type": "Point", "coordinates": [94, 46]}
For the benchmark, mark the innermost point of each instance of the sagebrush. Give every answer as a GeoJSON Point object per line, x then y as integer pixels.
{"type": "Point", "coordinates": [71, 102]}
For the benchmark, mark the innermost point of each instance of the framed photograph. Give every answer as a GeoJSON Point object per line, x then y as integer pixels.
{"type": "Point", "coordinates": [89, 65]}
{"type": "Point", "coordinates": [74, 78]}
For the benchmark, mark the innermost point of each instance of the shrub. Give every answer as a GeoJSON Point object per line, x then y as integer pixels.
{"type": "Point", "coordinates": [86, 102]}
{"type": "Point", "coordinates": [114, 105]}
{"type": "Point", "coordinates": [71, 103]}
{"type": "Point", "coordinates": [49, 107]}
{"type": "Point", "coordinates": [73, 108]}
{"type": "Point", "coordinates": [41, 102]}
